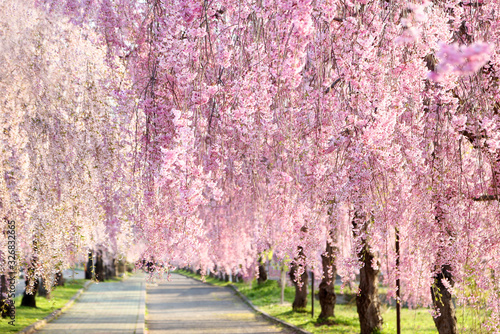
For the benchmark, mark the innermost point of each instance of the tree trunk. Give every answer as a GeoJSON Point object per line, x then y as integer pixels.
{"type": "Point", "coordinates": [59, 279]}
{"type": "Point", "coordinates": [262, 273]}
{"type": "Point", "coordinates": [89, 269]}
{"type": "Point", "coordinates": [446, 323]}
{"type": "Point", "coordinates": [42, 290]}
{"type": "Point", "coordinates": [326, 294]}
{"type": "Point", "coordinates": [5, 303]}
{"type": "Point", "coordinates": [99, 267]}
{"type": "Point", "coordinates": [110, 269]}
{"type": "Point", "coordinates": [120, 267]}
{"type": "Point", "coordinates": [113, 267]}
{"type": "Point", "coordinates": [300, 301]}
{"type": "Point", "coordinates": [367, 300]}
{"type": "Point", "coordinates": [283, 283]}
{"type": "Point", "coordinates": [29, 299]}
{"type": "Point", "coordinates": [123, 266]}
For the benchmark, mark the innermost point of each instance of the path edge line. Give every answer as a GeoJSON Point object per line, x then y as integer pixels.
{"type": "Point", "coordinates": [254, 308]}
{"type": "Point", "coordinates": [54, 315]}
{"type": "Point", "coordinates": [140, 326]}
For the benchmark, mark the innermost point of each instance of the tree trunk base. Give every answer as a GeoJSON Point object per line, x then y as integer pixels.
{"type": "Point", "coordinates": [326, 293]}
{"type": "Point", "coordinates": [5, 304]}
{"type": "Point", "coordinates": [327, 299]}
{"type": "Point", "coordinates": [262, 274]}
{"type": "Point", "coordinates": [446, 323]}
{"type": "Point", "coordinates": [59, 279]}
{"type": "Point", "coordinates": [89, 268]}
{"type": "Point", "coordinates": [300, 301]}
{"type": "Point", "coordinates": [29, 299]}
{"type": "Point", "coordinates": [99, 268]}
{"type": "Point", "coordinates": [367, 300]}
{"type": "Point", "coordinates": [42, 290]}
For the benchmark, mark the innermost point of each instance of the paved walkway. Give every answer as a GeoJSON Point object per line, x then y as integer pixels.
{"type": "Point", "coordinates": [187, 306]}
{"type": "Point", "coordinates": [109, 307]}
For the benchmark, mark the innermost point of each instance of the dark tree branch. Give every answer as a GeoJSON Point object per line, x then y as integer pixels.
{"type": "Point", "coordinates": [485, 198]}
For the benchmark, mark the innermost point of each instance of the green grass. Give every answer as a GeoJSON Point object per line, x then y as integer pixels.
{"type": "Point", "coordinates": [118, 278]}
{"type": "Point", "coordinates": [267, 297]}
{"type": "Point", "coordinates": [26, 316]}
{"type": "Point", "coordinates": [207, 279]}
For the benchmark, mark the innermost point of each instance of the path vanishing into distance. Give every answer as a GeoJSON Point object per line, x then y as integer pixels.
{"type": "Point", "coordinates": [186, 306]}
{"type": "Point", "coordinates": [182, 305]}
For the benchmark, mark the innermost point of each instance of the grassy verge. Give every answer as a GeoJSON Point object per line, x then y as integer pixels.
{"type": "Point", "coordinates": [207, 279]}
{"type": "Point", "coordinates": [118, 278]}
{"type": "Point", "coordinates": [26, 316]}
{"type": "Point", "coordinates": [268, 295]}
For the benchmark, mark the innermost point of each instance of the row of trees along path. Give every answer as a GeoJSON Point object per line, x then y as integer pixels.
{"type": "Point", "coordinates": [211, 132]}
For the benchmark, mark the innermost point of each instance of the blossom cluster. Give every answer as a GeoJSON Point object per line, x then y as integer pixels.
{"type": "Point", "coordinates": [261, 127]}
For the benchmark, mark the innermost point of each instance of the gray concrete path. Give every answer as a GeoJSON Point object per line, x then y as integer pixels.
{"type": "Point", "coordinates": [109, 307]}
{"type": "Point", "coordinates": [187, 306]}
